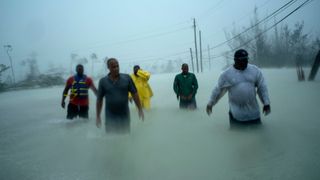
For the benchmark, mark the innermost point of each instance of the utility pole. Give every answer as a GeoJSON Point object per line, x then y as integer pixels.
{"type": "Point", "coordinates": [209, 57]}
{"type": "Point", "coordinates": [201, 67]}
{"type": "Point", "coordinates": [9, 48]}
{"type": "Point", "coordinates": [315, 67]}
{"type": "Point", "coordinates": [92, 68]}
{"type": "Point", "coordinates": [192, 60]}
{"type": "Point", "coordinates": [93, 59]}
{"type": "Point", "coordinates": [195, 43]}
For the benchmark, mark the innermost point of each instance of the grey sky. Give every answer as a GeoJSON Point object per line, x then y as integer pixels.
{"type": "Point", "coordinates": [129, 30]}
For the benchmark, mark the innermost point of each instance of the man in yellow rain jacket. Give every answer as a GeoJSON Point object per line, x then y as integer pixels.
{"type": "Point", "coordinates": [140, 79]}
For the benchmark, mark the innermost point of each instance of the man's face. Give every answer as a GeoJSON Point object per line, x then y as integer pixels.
{"type": "Point", "coordinates": [79, 70]}
{"type": "Point", "coordinates": [185, 69]}
{"type": "Point", "coordinates": [113, 67]}
{"type": "Point", "coordinates": [241, 64]}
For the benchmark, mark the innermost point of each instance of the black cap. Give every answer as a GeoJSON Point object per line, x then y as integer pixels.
{"type": "Point", "coordinates": [241, 54]}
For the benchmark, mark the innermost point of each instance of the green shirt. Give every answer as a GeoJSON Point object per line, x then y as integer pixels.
{"type": "Point", "coordinates": [185, 84]}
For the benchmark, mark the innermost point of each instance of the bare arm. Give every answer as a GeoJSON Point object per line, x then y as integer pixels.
{"type": "Point", "coordinates": [94, 89]}
{"type": "Point", "coordinates": [64, 96]}
{"type": "Point", "coordinates": [138, 104]}
{"type": "Point", "coordinates": [98, 112]}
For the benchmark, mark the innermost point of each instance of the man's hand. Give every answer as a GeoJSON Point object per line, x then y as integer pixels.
{"type": "Point", "coordinates": [177, 96]}
{"type": "Point", "coordinates": [63, 104]}
{"type": "Point", "coordinates": [209, 109]}
{"type": "Point", "coordinates": [190, 96]}
{"type": "Point", "coordinates": [266, 109]}
{"type": "Point", "coordinates": [98, 121]}
{"type": "Point", "coordinates": [183, 97]}
{"type": "Point", "coordinates": [130, 100]}
{"type": "Point", "coordinates": [141, 114]}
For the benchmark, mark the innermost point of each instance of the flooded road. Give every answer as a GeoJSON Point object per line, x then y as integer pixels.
{"type": "Point", "coordinates": [37, 142]}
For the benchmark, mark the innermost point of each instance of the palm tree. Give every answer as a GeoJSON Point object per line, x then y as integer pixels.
{"type": "Point", "coordinates": [73, 59]}
{"type": "Point", "coordinates": [94, 58]}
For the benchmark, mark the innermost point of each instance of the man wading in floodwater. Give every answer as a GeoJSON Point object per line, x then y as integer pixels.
{"type": "Point", "coordinates": [79, 85]}
{"type": "Point", "coordinates": [115, 88]}
{"type": "Point", "coordinates": [242, 81]}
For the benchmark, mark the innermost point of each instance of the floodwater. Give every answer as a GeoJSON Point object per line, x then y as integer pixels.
{"type": "Point", "coordinates": [37, 142]}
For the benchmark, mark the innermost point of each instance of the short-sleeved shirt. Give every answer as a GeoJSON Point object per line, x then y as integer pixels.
{"type": "Point", "coordinates": [116, 95]}
{"type": "Point", "coordinates": [73, 98]}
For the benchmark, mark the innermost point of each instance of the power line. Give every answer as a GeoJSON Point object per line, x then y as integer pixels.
{"type": "Point", "coordinates": [247, 14]}
{"type": "Point", "coordinates": [137, 39]}
{"type": "Point", "coordinates": [259, 22]}
{"type": "Point", "coordinates": [303, 4]}
{"type": "Point", "coordinates": [159, 29]}
{"type": "Point", "coordinates": [162, 57]}
{"type": "Point", "coordinates": [288, 4]}
{"type": "Point", "coordinates": [215, 7]}
{"type": "Point", "coordinates": [146, 37]}
{"type": "Point", "coordinates": [135, 56]}
{"type": "Point", "coordinates": [212, 9]}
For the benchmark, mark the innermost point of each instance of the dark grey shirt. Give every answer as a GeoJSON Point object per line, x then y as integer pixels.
{"type": "Point", "coordinates": [116, 95]}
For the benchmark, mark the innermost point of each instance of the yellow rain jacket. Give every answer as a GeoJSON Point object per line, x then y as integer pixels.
{"type": "Point", "coordinates": [143, 87]}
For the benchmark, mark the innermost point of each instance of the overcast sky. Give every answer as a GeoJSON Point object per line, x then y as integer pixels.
{"type": "Point", "coordinates": [130, 30]}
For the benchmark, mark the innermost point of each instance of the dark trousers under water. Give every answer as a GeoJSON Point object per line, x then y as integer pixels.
{"type": "Point", "coordinates": [117, 121]}
{"type": "Point", "coordinates": [77, 110]}
{"type": "Point", "coordinates": [234, 123]}
{"type": "Point", "coordinates": [188, 104]}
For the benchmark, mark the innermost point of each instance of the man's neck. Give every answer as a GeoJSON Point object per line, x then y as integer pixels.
{"type": "Point", "coordinates": [239, 68]}
{"type": "Point", "coordinates": [114, 76]}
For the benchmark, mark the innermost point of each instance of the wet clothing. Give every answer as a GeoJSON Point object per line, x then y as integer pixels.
{"type": "Point", "coordinates": [79, 96]}
{"type": "Point", "coordinates": [144, 90]}
{"type": "Point", "coordinates": [77, 110]}
{"type": "Point", "coordinates": [183, 86]}
{"type": "Point", "coordinates": [117, 114]}
{"type": "Point", "coordinates": [79, 87]}
{"type": "Point", "coordinates": [188, 104]}
{"type": "Point", "coordinates": [236, 123]}
{"type": "Point", "coordinates": [242, 87]}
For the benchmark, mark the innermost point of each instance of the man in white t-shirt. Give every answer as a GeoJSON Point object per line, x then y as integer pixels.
{"type": "Point", "coordinates": [243, 82]}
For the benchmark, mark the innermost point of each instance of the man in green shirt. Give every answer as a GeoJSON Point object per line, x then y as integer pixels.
{"type": "Point", "coordinates": [185, 86]}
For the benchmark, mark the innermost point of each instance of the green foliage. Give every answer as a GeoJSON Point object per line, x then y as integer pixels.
{"type": "Point", "coordinates": [43, 80]}
{"type": "Point", "coordinates": [3, 68]}
{"type": "Point", "coordinates": [32, 64]}
{"type": "Point", "coordinates": [34, 79]}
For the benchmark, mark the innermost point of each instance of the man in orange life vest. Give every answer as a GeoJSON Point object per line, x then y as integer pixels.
{"type": "Point", "coordinates": [79, 85]}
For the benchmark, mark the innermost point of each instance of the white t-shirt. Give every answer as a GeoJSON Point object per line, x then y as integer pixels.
{"type": "Point", "coordinates": [242, 87]}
